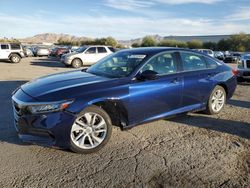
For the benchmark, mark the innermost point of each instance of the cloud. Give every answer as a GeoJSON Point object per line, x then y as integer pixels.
{"type": "Point", "coordinates": [119, 27]}
{"type": "Point", "coordinates": [178, 2]}
{"type": "Point", "coordinates": [240, 14]}
{"type": "Point", "coordinates": [128, 5]}
{"type": "Point", "coordinates": [131, 5]}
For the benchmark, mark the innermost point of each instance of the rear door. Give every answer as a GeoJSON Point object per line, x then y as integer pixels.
{"type": "Point", "coordinates": [4, 51]}
{"type": "Point", "coordinates": [101, 53]}
{"type": "Point", "coordinates": [197, 81]}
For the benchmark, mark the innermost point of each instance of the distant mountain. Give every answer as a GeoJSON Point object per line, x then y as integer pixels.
{"type": "Point", "coordinates": [53, 38]}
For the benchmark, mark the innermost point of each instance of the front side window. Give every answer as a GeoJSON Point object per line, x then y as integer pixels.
{"type": "Point", "coordinates": [91, 50]}
{"type": "Point", "coordinates": [117, 65]}
{"type": "Point", "coordinates": [101, 50]}
{"type": "Point", "coordinates": [162, 64]}
{"type": "Point", "coordinates": [15, 46]}
{"type": "Point", "coordinates": [4, 46]}
{"type": "Point", "coordinates": [192, 61]}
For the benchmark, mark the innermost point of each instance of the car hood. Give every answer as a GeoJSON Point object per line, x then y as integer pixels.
{"type": "Point", "coordinates": [60, 86]}
{"type": "Point", "coordinates": [71, 54]}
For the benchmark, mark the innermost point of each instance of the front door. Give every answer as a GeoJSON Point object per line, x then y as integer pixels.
{"type": "Point", "coordinates": [152, 99]}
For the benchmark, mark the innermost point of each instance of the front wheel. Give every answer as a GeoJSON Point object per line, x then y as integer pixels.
{"type": "Point", "coordinates": [216, 100]}
{"type": "Point", "coordinates": [15, 58]}
{"type": "Point", "coordinates": [76, 63]}
{"type": "Point", "coordinates": [90, 131]}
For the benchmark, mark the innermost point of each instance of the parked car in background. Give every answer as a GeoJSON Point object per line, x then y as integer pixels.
{"type": "Point", "coordinates": [42, 51]}
{"type": "Point", "coordinates": [207, 51]}
{"type": "Point", "coordinates": [232, 57]}
{"type": "Point", "coordinates": [28, 52]}
{"type": "Point", "coordinates": [59, 51]}
{"type": "Point", "coordinates": [86, 55]}
{"type": "Point", "coordinates": [219, 55]}
{"type": "Point", "coordinates": [11, 51]}
{"type": "Point", "coordinates": [77, 109]}
{"type": "Point", "coordinates": [244, 68]}
{"type": "Point", "coordinates": [236, 56]}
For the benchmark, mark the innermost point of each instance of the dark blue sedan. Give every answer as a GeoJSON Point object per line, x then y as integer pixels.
{"type": "Point", "coordinates": [77, 109]}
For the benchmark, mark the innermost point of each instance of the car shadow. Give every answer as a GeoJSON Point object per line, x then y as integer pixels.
{"type": "Point", "coordinates": [237, 128]}
{"type": "Point", "coordinates": [47, 62]}
{"type": "Point", "coordinates": [238, 103]}
{"type": "Point", "coordinates": [7, 129]}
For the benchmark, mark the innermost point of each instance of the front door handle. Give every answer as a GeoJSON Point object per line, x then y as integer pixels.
{"type": "Point", "coordinates": [175, 81]}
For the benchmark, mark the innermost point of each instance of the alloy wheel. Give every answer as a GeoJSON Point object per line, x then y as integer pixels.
{"type": "Point", "coordinates": [218, 100]}
{"type": "Point", "coordinates": [88, 131]}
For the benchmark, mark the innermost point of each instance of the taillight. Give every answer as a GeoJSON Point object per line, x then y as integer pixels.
{"type": "Point", "coordinates": [235, 72]}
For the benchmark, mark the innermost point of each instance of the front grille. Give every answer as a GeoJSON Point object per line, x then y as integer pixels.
{"type": "Point", "coordinates": [248, 63]}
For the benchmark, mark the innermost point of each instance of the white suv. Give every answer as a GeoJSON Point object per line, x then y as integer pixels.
{"type": "Point", "coordinates": [86, 55]}
{"type": "Point", "coordinates": [12, 52]}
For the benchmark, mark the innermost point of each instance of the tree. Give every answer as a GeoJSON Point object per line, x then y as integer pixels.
{"type": "Point", "coordinates": [110, 41]}
{"type": "Point", "coordinates": [136, 45]}
{"type": "Point", "coordinates": [173, 43]}
{"type": "Point", "coordinates": [194, 44]}
{"type": "Point", "coordinates": [210, 45]}
{"type": "Point", "coordinates": [148, 41]}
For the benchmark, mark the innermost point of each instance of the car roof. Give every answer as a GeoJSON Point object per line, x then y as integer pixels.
{"type": "Point", "coordinates": [156, 50]}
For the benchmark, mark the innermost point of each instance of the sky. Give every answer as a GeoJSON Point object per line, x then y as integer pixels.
{"type": "Point", "coordinates": [123, 19]}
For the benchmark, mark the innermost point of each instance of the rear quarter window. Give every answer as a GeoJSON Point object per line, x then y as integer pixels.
{"type": "Point", "coordinates": [211, 63]}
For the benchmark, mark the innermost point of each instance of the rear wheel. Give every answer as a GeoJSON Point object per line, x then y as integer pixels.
{"type": "Point", "coordinates": [77, 63]}
{"type": "Point", "coordinates": [216, 100]}
{"type": "Point", "coordinates": [14, 58]}
{"type": "Point", "coordinates": [90, 131]}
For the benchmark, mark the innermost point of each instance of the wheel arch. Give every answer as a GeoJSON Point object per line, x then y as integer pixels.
{"type": "Point", "coordinates": [75, 59]}
{"type": "Point", "coordinates": [115, 109]}
{"type": "Point", "coordinates": [224, 87]}
{"type": "Point", "coordinates": [15, 53]}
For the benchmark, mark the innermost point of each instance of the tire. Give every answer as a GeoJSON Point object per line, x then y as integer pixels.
{"type": "Point", "coordinates": [91, 130]}
{"type": "Point", "coordinates": [77, 63]}
{"type": "Point", "coordinates": [14, 58]}
{"type": "Point", "coordinates": [216, 100]}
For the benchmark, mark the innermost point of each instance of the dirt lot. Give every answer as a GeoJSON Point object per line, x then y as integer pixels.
{"type": "Point", "coordinates": [194, 150]}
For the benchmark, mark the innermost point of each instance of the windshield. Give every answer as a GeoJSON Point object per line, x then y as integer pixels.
{"type": "Point", "coordinates": [117, 65]}
{"type": "Point", "coordinates": [81, 49]}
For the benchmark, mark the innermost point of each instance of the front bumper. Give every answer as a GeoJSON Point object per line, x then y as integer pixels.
{"type": "Point", "coordinates": [48, 129]}
{"type": "Point", "coordinates": [65, 61]}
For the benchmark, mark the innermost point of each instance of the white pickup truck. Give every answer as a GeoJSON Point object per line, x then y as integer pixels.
{"type": "Point", "coordinates": [11, 51]}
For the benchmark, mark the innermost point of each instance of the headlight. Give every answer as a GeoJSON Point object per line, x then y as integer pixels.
{"type": "Point", "coordinates": [50, 107]}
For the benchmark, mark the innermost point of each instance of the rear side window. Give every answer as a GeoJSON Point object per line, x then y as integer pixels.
{"type": "Point", "coordinates": [91, 50]}
{"type": "Point", "coordinates": [210, 63]}
{"type": "Point", "coordinates": [15, 46]}
{"type": "Point", "coordinates": [4, 46]}
{"type": "Point", "coordinates": [101, 50]}
{"type": "Point", "coordinates": [192, 62]}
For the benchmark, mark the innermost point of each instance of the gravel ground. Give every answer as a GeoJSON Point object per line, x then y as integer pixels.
{"type": "Point", "coordinates": [194, 150]}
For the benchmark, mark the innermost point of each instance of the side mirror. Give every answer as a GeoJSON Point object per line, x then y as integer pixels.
{"type": "Point", "coordinates": [147, 75]}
